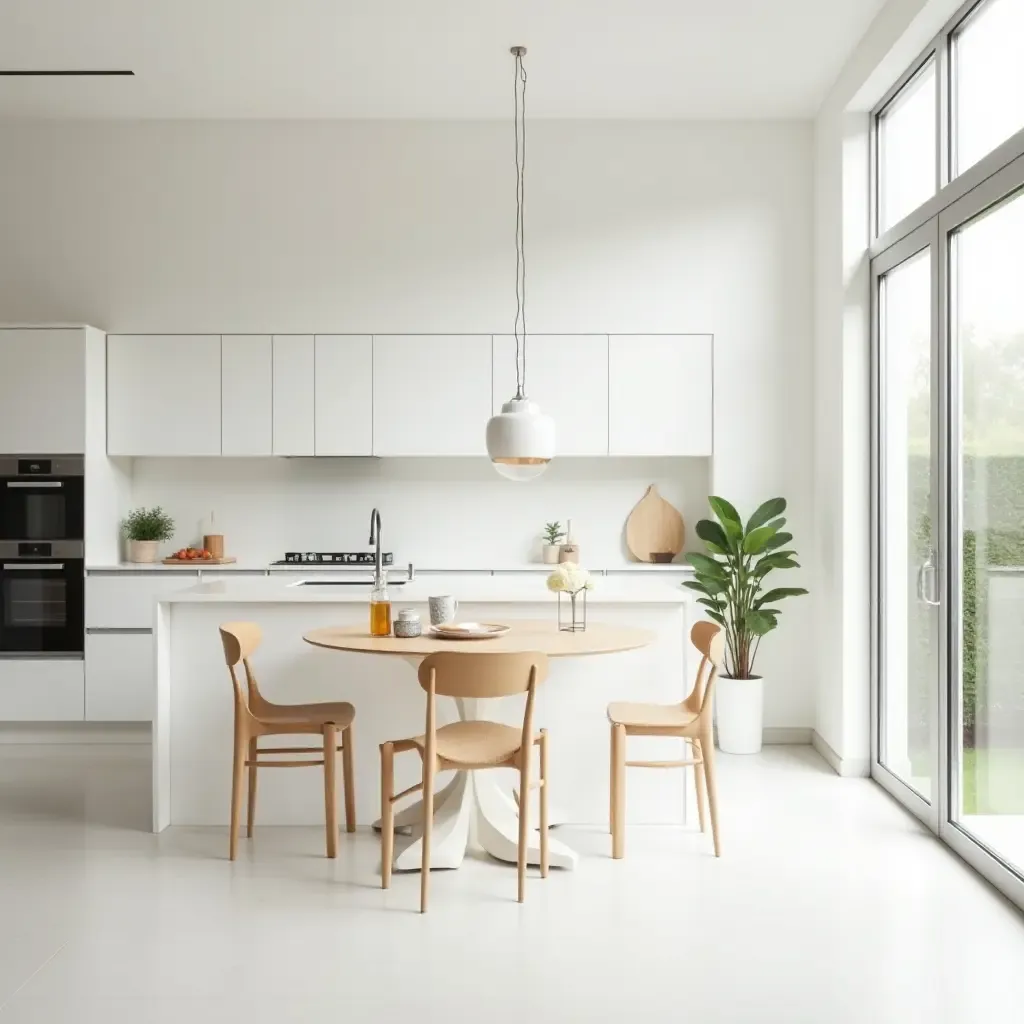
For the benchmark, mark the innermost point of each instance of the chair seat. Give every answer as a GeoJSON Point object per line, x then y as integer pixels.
{"type": "Point", "coordinates": [474, 743]}
{"type": "Point", "coordinates": [340, 713]}
{"type": "Point", "coordinates": [651, 716]}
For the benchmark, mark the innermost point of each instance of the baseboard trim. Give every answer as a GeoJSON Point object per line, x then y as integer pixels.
{"type": "Point", "coordinates": [74, 733]}
{"type": "Point", "coordinates": [786, 734]}
{"type": "Point", "coordinates": [848, 767]}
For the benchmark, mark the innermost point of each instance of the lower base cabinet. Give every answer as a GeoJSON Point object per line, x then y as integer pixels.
{"type": "Point", "coordinates": [42, 690]}
{"type": "Point", "coordinates": [120, 676]}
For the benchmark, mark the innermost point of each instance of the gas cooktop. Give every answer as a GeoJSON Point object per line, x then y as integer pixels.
{"type": "Point", "coordinates": [334, 558]}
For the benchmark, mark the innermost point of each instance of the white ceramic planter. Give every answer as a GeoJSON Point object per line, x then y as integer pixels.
{"type": "Point", "coordinates": [739, 711]}
{"type": "Point", "coordinates": [143, 550]}
{"type": "Point", "coordinates": [551, 552]}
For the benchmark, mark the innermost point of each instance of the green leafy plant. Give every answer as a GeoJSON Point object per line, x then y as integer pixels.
{"type": "Point", "coordinates": [148, 524]}
{"type": "Point", "coordinates": [553, 533]}
{"type": "Point", "coordinates": [731, 578]}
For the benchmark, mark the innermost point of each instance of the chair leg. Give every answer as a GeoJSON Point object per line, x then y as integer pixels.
{"type": "Point", "coordinates": [544, 858]}
{"type": "Point", "coordinates": [707, 745]}
{"type": "Point", "coordinates": [251, 819]}
{"type": "Point", "coordinates": [348, 778]}
{"type": "Point", "coordinates": [700, 784]}
{"type": "Point", "coordinates": [387, 812]}
{"type": "Point", "coordinates": [612, 780]}
{"type": "Point", "coordinates": [330, 796]}
{"type": "Point", "coordinates": [237, 778]}
{"type": "Point", "coordinates": [524, 818]}
{"type": "Point", "coordinates": [619, 796]}
{"type": "Point", "coordinates": [428, 827]}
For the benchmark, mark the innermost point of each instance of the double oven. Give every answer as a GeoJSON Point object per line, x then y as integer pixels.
{"type": "Point", "coordinates": [42, 556]}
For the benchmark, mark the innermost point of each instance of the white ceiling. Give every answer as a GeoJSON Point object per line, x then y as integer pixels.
{"type": "Point", "coordinates": [427, 58]}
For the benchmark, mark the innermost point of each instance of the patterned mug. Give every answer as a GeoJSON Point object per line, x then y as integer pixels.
{"type": "Point", "coordinates": [443, 609]}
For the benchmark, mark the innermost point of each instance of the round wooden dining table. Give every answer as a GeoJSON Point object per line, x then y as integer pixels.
{"type": "Point", "coordinates": [473, 797]}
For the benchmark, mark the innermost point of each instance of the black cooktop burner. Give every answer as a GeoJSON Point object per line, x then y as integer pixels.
{"type": "Point", "coordinates": [334, 558]}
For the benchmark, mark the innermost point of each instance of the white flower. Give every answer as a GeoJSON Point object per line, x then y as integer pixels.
{"type": "Point", "coordinates": [570, 578]}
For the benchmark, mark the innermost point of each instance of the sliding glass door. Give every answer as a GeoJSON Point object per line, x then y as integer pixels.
{"type": "Point", "coordinates": [907, 480]}
{"type": "Point", "coordinates": [984, 234]}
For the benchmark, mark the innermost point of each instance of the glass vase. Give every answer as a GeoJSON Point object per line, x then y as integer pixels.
{"type": "Point", "coordinates": [572, 612]}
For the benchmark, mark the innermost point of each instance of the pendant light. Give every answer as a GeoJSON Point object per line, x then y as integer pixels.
{"type": "Point", "coordinates": [521, 439]}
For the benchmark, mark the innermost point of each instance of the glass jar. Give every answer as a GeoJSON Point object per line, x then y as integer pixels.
{"type": "Point", "coordinates": [380, 609]}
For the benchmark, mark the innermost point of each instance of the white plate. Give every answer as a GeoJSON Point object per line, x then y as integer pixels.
{"type": "Point", "coordinates": [469, 630]}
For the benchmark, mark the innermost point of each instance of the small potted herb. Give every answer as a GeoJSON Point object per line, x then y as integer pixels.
{"type": "Point", "coordinates": [144, 529]}
{"type": "Point", "coordinates": [553, 534]}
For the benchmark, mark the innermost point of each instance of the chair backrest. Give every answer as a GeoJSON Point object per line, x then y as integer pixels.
{"type": "Point", "coordinates": [240, 639]}
{"type": "Point", "coordinates": [709, 639]}
{"type": "Point", "coordinates": [481, 675]}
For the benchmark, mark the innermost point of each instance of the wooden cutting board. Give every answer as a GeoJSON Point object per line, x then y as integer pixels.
{"type": "Point", "coordinates": [654, 526]}
{"type": "Point", "coordinates": [199, 561]}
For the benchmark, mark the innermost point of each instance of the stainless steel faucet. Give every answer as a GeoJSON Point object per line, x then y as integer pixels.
{"type": "Point", "coordinates": [378, 564]}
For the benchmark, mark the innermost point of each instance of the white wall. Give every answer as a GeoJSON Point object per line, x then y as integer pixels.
{"type": "Point", "coordinates": [406, 226]}
{"type": "Point", "coordinates": [841, 372]}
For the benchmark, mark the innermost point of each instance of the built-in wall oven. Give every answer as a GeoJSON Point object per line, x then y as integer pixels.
{"type": "Point", "coordinates": [42, 599]}
{"type": "Point", "coordinates": [42, 498]}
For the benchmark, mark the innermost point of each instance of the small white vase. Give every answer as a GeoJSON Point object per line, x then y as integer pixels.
{"type": "Point", "coordinates": [551, 553]}
{"type": "Point", "coordinates": [143, 550]}
{"type": "Point", "coordinates": [739, 711]}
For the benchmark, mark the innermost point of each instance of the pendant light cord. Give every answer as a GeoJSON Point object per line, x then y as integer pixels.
{"type": "Point", "coordinates": [520, 129]}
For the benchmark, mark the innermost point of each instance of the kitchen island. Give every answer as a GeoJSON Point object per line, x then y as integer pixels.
{"type": "Point", "coordinates": [192, 728]}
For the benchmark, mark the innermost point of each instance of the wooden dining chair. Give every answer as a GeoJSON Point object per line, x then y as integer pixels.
{"type": "Point", "coordinates": [690, 720]}
{"type": "Point", "coordinates": [255, 716]}
{"type": "Point", "coordinates": [470, 746]}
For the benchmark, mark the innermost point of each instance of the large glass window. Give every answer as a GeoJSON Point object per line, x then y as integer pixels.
{"type": "Point", "coordinates": [906, 148]}
{"type": "Point", "coordinates": [988, 80]}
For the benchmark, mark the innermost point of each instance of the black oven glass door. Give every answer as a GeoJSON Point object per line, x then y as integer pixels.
{"type": "Point", "coordinates": [50, 510]}
{"type": "Point", "coordinates": [42, 607]}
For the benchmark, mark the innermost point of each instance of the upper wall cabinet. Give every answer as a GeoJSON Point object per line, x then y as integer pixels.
{"type": "Point", "coordinates": [431, 394]}
{"type": "Point", "coordinates": [343, 394]}
{"type": "Point", "coordinates": [163, 394]}
{"type": "Point", "coordinates": [293, 394]}
{"type": "Point", "coordinates": [660, 395]}
{"type": "Point", "coordinates": [247, 394]}
{"type": "Point", "coordinates": [42, 391]}
{"type": "Point", "coordinates": [568, 379]}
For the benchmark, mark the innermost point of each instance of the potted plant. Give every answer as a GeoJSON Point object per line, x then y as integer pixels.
{"type": "Point", "coordinates": [145, 528]}
{"type": "Point", "coordinates": [553, 534]}
{"type": "Point", "coordinates": [731, 580]}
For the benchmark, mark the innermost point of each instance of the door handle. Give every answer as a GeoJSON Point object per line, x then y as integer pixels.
{"type": "Point", "coordinates": [26, 484]}
{"type": "Point", "coordinates": [926, 582]}
{"type": "Point", "coordinates": [32, 566]}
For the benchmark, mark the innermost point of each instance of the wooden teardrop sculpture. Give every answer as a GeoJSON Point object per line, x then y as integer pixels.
{"type": "Point", "coordinates": [654, 527]}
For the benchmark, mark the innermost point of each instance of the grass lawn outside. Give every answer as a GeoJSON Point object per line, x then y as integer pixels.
{"type": "Point", "coordinates": [993, 781]}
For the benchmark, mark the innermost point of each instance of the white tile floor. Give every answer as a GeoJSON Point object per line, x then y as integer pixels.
{"type": "Point", "coordinates": [831, 905]}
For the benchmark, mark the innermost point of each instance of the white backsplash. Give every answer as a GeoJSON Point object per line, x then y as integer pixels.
{"type": "Point", "coordinates": [437, 513]}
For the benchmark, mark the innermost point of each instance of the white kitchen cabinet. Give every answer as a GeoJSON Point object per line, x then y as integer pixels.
{"type": "Point", "coordinates": [568, 378]}
{"type": "Point", "coordinates": [294, 372]}
{"type": "Point", "coordinates": [343, 394]}
{"type": "Point", "coordinates": [247, 394]}
{"type": "Point", "coordinates": [42, 690]}
{"type": "Point", "coordinates": [42, 391]}
{"type": "Point", "coordinates": [163, 394]}
{"type": "Point", "coordinates": [120, 677]}
{"type": "Point", "coordinates": [660, 394]}
{"type": "Point", "coordinates": [431, 394]}
{"type": "Point", "coordinates": [127, 600]}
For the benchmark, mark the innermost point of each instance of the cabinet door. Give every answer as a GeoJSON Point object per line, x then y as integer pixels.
{"type": "Point", "coordinates": [343, 394]}
{"type": "Point", "coordinates": [661, 399]}
{"type": "Point", "coordinates": [431, 394]}
{"type": "Point", "coordinates": [120, 677]}
{"type": "Point", "coordinates": [163, 394]}
{"type": "Point", "coordinates": [567, 376]}
{"type": "Point", "coordinates": [247, 394]}
{"type": "Point", "coordinates": [42, 392]}
{"type": "Point", "coordinates": [293, 394]}
{"type": "Point", "coordinates": [42, 690]}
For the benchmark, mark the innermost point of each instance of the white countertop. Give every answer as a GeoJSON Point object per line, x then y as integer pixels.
{"type": "Point", "coordinates": [673, 568]}
{"type": "Point", "coordinates": [467, 589]}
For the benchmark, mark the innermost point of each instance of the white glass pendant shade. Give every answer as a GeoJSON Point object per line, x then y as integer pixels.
{"type": "Point", "coordinates": [520, 440]}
